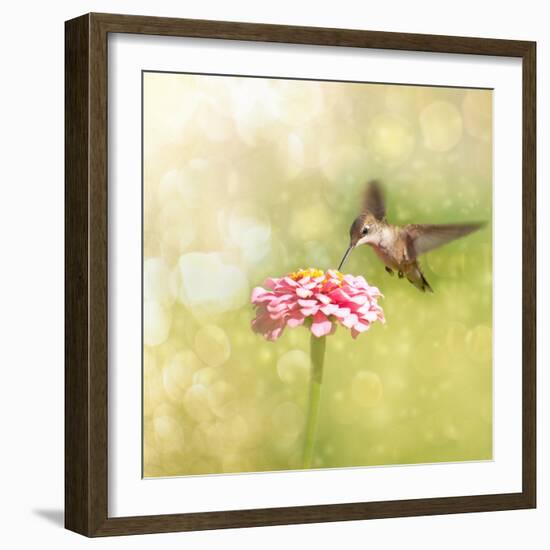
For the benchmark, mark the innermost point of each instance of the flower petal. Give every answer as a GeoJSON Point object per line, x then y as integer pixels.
{"type": "Point", "coordinates": [370, 316]}
{"type": "Point", "coordinates": [277, 308]}
{"type": "Point", "coordinates": [275, 333]}
{"type": "Point", "coordinates": [329, 309]}
{"type": "Point", "coordinates": [261, 295]}
{"type": "Point", "coordinates": [342, 312]}
{"type": "Point", "coordinates": [361, 327]}
{"type": "Point", "coordinates": [309, 310]}
{"type": "Point", "coordinates": [303, 292]}
{"type": "Point", "coordinates": [321, 326]}
{"type": "Point", "coordinates": [271, 282]}
{"type": "Point", "coordinates": [350, 321]}
{"type": "Point", "coordinates": [323, 298]}
{"type": "Point", "coordinates": [295, 321]}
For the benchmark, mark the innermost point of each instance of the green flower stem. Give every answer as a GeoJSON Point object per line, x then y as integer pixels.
{"type": "Point", "coordinates": [317, 352]}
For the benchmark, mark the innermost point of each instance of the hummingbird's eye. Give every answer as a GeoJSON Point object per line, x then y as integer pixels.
{"type": "Point", "coordinates": [365, 230]}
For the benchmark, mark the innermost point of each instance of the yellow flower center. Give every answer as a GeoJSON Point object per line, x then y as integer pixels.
{"type": "Point", "coordinates": [314, 273]}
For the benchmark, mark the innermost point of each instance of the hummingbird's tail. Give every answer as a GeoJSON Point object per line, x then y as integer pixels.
{"type": "Point", "coordinates": [425, 285]}
{"type": "Point", "coordinates": [416, 277]}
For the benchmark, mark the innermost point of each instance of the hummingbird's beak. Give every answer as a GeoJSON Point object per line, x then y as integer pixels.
{"type": "Point", "coordinates": [348, 252]}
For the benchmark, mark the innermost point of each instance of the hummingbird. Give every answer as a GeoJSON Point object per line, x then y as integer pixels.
{"type": "Point", "coordinates": [399, 247]}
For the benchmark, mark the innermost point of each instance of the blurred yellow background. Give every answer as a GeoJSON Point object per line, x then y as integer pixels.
{"type": "Point", "coordinates": [246, 178]}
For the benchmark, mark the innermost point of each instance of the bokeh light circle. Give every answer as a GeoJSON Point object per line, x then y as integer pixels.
{"type": "Point", "coordinates": [366, 389]}
{"type": "Point", "coordinates": [441, 124]}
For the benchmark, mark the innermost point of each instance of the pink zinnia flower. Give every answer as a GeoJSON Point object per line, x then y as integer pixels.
{"type": "Point", "coordinates": [323, 299]}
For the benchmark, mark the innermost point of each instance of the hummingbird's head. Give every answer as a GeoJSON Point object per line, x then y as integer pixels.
{"type": "Point", "coordinates": [363, 230]}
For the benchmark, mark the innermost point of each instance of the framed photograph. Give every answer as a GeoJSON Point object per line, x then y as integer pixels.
{"type": "Point", "coordinates": [300, 275]}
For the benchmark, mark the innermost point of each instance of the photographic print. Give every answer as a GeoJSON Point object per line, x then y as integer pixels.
{"type": "Point", "coordinates": [317, 274]}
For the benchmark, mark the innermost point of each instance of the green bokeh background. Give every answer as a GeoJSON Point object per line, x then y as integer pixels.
{"type": "Point", "coordinates": [246, 178]}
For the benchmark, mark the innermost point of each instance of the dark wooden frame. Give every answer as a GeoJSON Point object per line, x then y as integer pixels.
{"type": "Point", "coordinates": [86, 284]}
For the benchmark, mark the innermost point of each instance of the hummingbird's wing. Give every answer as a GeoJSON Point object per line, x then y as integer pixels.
{"type": "Point", "coordinates": [421, 238]}
{"type": "Point", "coordinates": [373, 200]}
